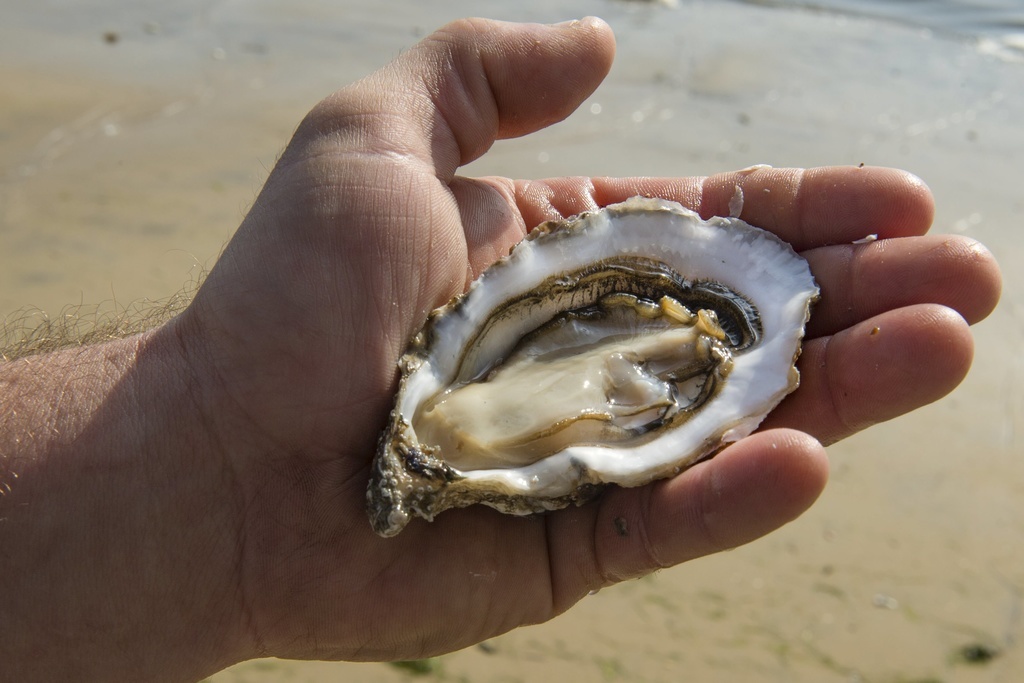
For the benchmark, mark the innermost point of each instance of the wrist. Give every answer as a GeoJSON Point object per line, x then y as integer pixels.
{"type": "Point", "coordinates": [120, 528]}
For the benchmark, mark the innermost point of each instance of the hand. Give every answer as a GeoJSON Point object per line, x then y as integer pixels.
{"type": "Point", "coordinates": [362, 228]}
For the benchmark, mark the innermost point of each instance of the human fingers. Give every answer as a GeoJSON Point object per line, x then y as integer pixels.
{"type": "Point", "coordinates": [857, 281]}
{"type": "Point", "coordinates": [806, 207]}
{"type": "Point", "coordinates": [445, 101]}
{"type": "Point", "coordinates": [926, 351]}
{"type": "Point", "coordinates": [861, 281]}
{"type": "Point", "coordinates": [876, 370]}
{"type": "Point", "coordinates": [749, 489]}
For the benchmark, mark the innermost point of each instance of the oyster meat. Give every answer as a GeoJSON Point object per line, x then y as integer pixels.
{"type": "Point", "coordinates": [615, 347]}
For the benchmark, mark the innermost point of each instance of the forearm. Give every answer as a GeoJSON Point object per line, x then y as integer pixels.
{"type": "Point", "coordinates": [117, 532]}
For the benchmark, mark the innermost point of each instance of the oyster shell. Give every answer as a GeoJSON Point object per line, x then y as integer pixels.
{"type": "Point", "coordinates": [616, 347]}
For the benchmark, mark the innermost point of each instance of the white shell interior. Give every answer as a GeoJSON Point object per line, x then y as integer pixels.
{"type": "Point", "coordinates": [748, 260]}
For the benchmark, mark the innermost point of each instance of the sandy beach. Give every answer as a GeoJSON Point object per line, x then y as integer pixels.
{"type": "Point", "coordinates": [132, 142]}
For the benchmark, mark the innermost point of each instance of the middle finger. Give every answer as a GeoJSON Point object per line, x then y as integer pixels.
{"type": "Point", "coordinates": [859, 281]}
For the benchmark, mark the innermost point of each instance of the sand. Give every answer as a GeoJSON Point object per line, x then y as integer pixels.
{"type": "Point", "coordinates": [132, 142]}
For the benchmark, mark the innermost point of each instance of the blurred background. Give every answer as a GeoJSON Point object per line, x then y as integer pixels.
{"type": "Point", "coordinates": [134, 136]}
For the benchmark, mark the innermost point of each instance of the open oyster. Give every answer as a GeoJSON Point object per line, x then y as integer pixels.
{"type": "Point", "coordinates": [618, 346]}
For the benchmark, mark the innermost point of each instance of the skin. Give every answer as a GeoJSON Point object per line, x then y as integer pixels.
{"type": "Point", "coordinates": [184, 499]}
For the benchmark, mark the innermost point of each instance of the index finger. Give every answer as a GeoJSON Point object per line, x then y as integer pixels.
{"type": "Point", "coordinates": [806, 207]}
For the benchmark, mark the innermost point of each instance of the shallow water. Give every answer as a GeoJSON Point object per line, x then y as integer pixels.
{"type": "Point", "coordinates": [960, 17]}
{"type": "Point", "coordinates": [134, 136]}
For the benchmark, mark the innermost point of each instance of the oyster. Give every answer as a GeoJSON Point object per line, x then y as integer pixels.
{"type": "Point", "coordinates": [616, 347]}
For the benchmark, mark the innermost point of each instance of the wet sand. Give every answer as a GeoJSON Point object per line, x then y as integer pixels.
{"type": "Point", "coordinates": [131, 146]}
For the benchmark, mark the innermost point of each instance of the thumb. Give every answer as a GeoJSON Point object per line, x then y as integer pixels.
{"type": "Point", "coordinates": [474, 81]}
